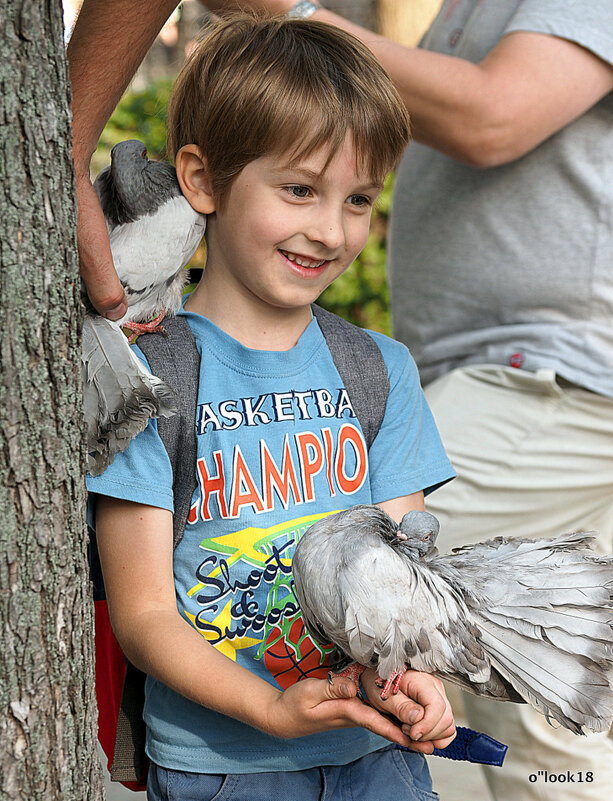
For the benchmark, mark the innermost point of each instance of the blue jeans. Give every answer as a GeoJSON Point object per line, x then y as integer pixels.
{"type": "Point", "coordinates": [386, 775]}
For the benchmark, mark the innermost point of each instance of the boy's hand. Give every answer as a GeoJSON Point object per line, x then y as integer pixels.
{"type": "Point", "coordinates": [316, 705]}
{"type": "Point", "coordinates": [421, 707]}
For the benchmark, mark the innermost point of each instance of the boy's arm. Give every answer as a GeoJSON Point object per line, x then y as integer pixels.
{"type": "Point", "coordinates": [135, 545]}
{"type": "Point", "coordinates": [398, 507]}
{"type": "Point", "coordinates": [529, 86]}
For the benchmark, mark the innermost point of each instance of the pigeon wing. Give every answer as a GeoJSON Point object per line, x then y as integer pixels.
{"type": "Point", "coordinates": [120, 395]}
{"type": "Point", "coordinates": [544, 610]}
{"type": "Point", "coordinates": [150, 255]}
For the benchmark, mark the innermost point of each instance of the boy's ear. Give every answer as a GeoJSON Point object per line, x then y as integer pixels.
{"type": "Point", "coordinates": [193, 178]}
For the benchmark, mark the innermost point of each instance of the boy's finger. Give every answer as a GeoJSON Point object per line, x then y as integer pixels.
{"type": "Point", "coordinates": [370, 719]}
{"type": "Point", "coordinates": [403, 708]}
{"type": "Point", "coordinates": [360, 714]}
{"type": "Point", "coordinates": [340, 688]}
{"type": "Point", "coordinates": [443, 742]}
{"type": "Point", "coordinates": [443, 729]}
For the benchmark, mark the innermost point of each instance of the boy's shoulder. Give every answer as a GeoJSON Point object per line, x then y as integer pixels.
{"type": "Point", "coordinates": [397, 357]}
{"type": "Point", "coordinates": [393, 352]}
{"type": "Point", "coordinates": [367, 360]}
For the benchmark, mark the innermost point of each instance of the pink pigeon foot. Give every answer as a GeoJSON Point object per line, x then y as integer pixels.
{"type": "Point", "coordinates": [353, 671]}
{"type": "Point", "coordinates": [152, 327]}
{"type": "Point", "coordinates": [393, 684]}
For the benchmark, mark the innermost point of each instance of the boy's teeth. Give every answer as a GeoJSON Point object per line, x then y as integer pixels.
{"type": "Point", "coordinates": [301, 261]}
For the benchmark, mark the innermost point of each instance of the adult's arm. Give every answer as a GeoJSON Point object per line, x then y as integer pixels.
{"type": "Point", "coordinates": [530, 86]}
{"type": "Point", "coordinates": [110, 39]}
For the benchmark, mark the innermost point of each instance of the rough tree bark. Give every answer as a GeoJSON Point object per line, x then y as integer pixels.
{"type": "Point", "coordinates": [47, 703]}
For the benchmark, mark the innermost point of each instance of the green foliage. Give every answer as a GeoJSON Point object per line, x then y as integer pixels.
{"type": "Point", "coordinates": [139, 115]}
{"type": "Point", "coordinates": [360, 295]}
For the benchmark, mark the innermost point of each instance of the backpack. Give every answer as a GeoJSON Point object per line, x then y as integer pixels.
{"type": "Point", "coordinates": [175, 359]}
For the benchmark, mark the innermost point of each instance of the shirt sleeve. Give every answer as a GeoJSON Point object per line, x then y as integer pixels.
{"type": "Point", "coordinates": [407, 454]}
{"type": "Point", "coordinates": [142, 473]}
{"type": "Point", "coordinates": [587, 24]}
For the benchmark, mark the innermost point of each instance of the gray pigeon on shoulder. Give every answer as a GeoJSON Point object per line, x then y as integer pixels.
{"type": "Point", "coordinates": [511, 619]}
{"type": "Point", "coordinates": [154, 232]}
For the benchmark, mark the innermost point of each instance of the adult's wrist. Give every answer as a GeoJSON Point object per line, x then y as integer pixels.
{"type": "Point", "coordinates": [303, 9]}
{"type": "Point", "coordinates": [82, 154]}
{"type": "Point", "coordinates": [82, 169]}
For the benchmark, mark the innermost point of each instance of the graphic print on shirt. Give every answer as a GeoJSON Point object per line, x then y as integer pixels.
{"type": "Point", "coordinates": [272, 453]}
{"type": "Point", "coordinates": [232, 619]}
{"type": "Point", "coordinates": [230, 486]}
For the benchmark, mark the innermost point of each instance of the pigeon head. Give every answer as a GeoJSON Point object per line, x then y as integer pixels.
{"type": "Point", "coordinates": [417, 533]}
{"type": "Point", "coordinates": [133, 186]}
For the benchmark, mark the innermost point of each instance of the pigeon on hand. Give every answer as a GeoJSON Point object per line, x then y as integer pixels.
{"type": "Point", "coordinates": [511, 619]}
{"type": "Point", "coordinates": [154, 232]}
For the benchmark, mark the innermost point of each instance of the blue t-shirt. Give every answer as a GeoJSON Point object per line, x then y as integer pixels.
{"type": "Point", "coordinates": [279, 447]}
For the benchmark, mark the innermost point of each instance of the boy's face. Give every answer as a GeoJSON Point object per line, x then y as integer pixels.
{"type": "Point", "coordinates": [285, 233]}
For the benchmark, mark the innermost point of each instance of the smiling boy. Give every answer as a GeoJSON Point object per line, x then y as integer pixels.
{"type": "Point", "coordinates": [287, 231]}
{"type": "Point", "coordinates": [283, 132]}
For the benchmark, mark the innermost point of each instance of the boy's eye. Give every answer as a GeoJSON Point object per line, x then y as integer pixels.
{"type": "Point", "coordinates": [359, 200]}
{"type": "Point", "coordinates": [297, 190]}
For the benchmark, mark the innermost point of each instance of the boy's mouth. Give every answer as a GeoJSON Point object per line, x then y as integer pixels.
{"type": "Point", "coordinates": [303, 261]}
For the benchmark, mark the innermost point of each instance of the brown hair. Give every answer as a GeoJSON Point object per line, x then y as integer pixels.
{"type": "Point", "coordinates": [254, 87]}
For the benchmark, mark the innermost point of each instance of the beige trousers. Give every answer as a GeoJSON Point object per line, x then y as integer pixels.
{"type": "Point", "coordinates": [534, 457]}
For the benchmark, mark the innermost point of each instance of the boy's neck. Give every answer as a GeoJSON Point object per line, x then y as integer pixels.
{"type": "Point", "coordinates": [255, 325]}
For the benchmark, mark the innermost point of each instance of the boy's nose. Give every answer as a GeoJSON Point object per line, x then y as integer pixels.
{"type": "Point", "coordinates": [327, 228]}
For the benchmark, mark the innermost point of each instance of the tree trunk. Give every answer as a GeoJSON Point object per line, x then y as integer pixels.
{"type": "Point", "coordinates": [47, 701]}
{"type": "Point", "coordinates": [405, 21]}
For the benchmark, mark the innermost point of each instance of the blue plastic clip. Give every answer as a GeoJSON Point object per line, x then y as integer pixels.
{"type": "Point", "coordinates": [472, 746]}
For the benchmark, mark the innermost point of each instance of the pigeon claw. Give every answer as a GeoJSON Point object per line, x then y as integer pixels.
{"type": "Point", "coordinates": [353, 671]}
{"type": "Point", "coordinates": [392, 684]}
{"type": "Point", "coordinates": [152, 327]}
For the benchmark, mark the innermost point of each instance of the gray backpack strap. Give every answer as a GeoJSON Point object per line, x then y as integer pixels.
{"type": "Point", "coordinates": [130, 762]}
{"type": "Point", "coordinates": [361, 367]}
{"type": "Point", "coordinates": [175, 359]}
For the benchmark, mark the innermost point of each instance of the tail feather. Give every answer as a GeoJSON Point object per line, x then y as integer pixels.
{"type": "Point", "coordinates": [120, 395]}
{"type": "Point", "coordinates": [584, 643]}
{"type": "Point", "coordinates": [595, 621]}
{"type": "Point", "coordinates": [522, 551]}
{"type": "Point", "coordinates": [567, 688]}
